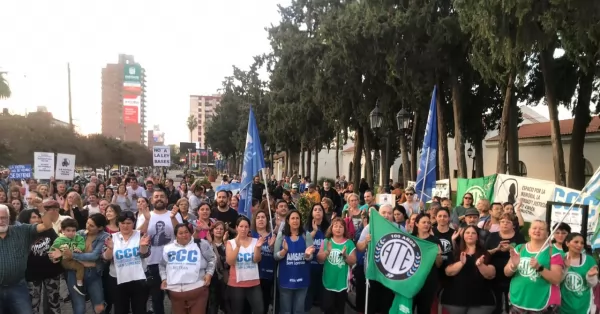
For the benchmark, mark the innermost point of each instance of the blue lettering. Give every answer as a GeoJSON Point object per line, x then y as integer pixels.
{"type": "Point", "coordinates": [183, 255]}
{"type": "Point", "coordinates": [245, 257]}
{"type": "Point", "coordinates": [127, 253]}
{"type": "Point", "coordinates": [563, 196]}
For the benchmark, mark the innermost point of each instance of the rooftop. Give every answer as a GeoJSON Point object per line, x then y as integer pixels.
{"type": "Point", "coordinates": [542, 129]}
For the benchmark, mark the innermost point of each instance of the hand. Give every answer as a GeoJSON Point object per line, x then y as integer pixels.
{"type": "Point", "coordinates": [309, 250]}
{"type": "Point", "coordinates": [284, 245]}
{"type": "Point", "coordinates": [226, 236]}
{"type": "Point", "coordinates": [315, 226]}
{"type": "Point", "coordinates": [463, 258]}
{"type": "Point", "coordinates": [333, 215]}
{"type": "Point", "coordinates": [145, 240]}
{"type": "Point", "coordinates": [480, 261]}
{"type": "Point", "coordinates": [440, 250]}
{"type": "Point", "coordinates": [344, 251]}
{"type": "Point", "coordinates": [518, 206]}
{"type": "Point", "coordinates": [534, 263]}
{"type": "Point", "coordinates": [328, 246]}
{"type": "Point", "coordinates": [163, 285]}
{"type": "Point", "coordinates": [76, 250]}
{"type": "Point", "coordinates": [461, 218]}
{"type": "Point", "coordinates": [67, 253]}
{"type": "Point", "coordinates": [145, 211]}
{"type": "Point", "coordinates": [504, 246]}
{"type": "Point", "coordinates": [109, 243]}
{"type": "Point", "coordinates": [207, 279]}
{"type": "Point", "coordinates": [368, 237]}
{"type": "Point", "coordinates": [203, 225]}
{"type": "Point", "coordinates": [174, 211]}
{"type": "Point", "coordinates": [55, 254]}
{"type": "Point", "coordinates": [209, 237]}
{"type": "Point", "coordinates": [238, 243]}
{"type": "Point", "coordinates": [456, 234]}
{"type": "Point", "coordinates": [272, 240]}
{"type": "Point", "coordinates": [593, 272]}
{"type": "Point", "coordinates": [515, 258]}
{"type": "Point", "coordinates": [261, 241]}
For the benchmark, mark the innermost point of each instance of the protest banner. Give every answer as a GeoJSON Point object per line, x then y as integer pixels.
{"type": "Point", "coordinates": [43, 164]}
{"type": "Point", "coordinates": [566, 195]}
{"type": "Point", "coordinates": [532, 193]}
{"type": "Point", "coordinates": [19, 172]}
{"type": "Point", "coordinates": [480, 188]}
{"type": "Point", "coordinates": [442, 188]}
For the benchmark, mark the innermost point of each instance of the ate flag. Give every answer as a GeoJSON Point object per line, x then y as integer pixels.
{"type": "Point", "coordinates": [481, 188]}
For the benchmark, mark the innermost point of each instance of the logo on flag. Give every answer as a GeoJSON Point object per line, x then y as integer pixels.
{"type": "Point", "coordinates": [397, 256]}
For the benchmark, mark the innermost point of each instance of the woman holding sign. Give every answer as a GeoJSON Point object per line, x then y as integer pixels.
{"type": "Point", "coordinates": [536, 270]}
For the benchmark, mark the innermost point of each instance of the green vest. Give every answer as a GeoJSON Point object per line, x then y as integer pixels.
{"type": "Point", "coordinates": [574, 290]}
{"type": "Point", "coordinates": [528, 290]}
{"type": "Point", "coordinates": [335, 270]}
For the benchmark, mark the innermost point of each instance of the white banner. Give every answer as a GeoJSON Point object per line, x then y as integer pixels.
{"type": "Point", "coordinates": [566, 195]}
{"type": "Point", "coordinates": [43, 165]}
{"type": "Point", "coordinates": [161, 156]}
{"type": "Point", "coordinates": [389, 199]}
{"type": "Point", "coordinates": [442, 187]}
{"type": "Point", "coordinates": [532, 193]}
{"type": "Point", "coordinates": [65, 167]}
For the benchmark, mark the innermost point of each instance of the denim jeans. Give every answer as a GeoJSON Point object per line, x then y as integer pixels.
{"type": "Point", "coordinates": [15, 299]}
{"type": "Point", "coordinates": [92, 281]}
{"type": "Point", "coordinates": [292, 300]}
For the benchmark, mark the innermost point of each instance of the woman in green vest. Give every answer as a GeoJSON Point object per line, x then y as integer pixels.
{"type": "Point", "coordinates": [536, 270]}
{"type": "Point", "coordinates": [580, 277]}
{"type": "Point", "coordinates": [338, 254]}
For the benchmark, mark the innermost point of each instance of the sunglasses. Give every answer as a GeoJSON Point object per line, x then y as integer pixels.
{"type": "Point", "coordinates": [410, 194]}
{"type": "Point", "coordinates": [468, 198]}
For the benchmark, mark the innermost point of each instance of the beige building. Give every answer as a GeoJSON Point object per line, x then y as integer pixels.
{"type": "Point", "coordinates": [203, 108]}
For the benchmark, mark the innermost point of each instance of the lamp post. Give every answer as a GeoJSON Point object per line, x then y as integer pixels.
{"type": "Point", "coordinates": [403, 123]}
{"type": "Point", "coordinates": [471, 154]}
{"type": "Point", "coordinates": [376, 121]}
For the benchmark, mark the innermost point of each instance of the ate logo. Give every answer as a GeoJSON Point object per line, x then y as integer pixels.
{"type": "Point", "coordinates": [574, 283]}
{"type": "Point", "coordinates": [335, 258]}
{"type": "Point", "coordinates": [526, 270]}
{"type": "Point", "coordinates": [397, 256]}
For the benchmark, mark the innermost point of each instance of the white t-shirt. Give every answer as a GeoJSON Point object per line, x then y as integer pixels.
{"type": "Point", "coordinates": [127, 263]}
{"type": "Point", "coordinates": [161, 233]}
{"type": "Point", "coordinates": [139, 192]}
{"type": "Point", "coordinates": [245, 267]}
{"type": "Point", "coordinates": [92, 209]}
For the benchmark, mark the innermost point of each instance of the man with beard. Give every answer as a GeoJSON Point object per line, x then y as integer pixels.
{"type": "Point", "coordinates": [162, 222]}
{"type": "Point", "coordinates": [225, 213]}
{"type": "Point", "coordinates": [15, 243]}
{"type": "Point", "coordinates": [333, 195]}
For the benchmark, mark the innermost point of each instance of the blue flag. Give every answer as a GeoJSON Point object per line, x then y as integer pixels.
{"type": "Point", "coordinates": [253, 163]}
{"type": "Point", "coordinates": [426, 174]}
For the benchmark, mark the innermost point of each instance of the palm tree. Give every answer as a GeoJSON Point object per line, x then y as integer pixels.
{"type": "Point", "coordinates": [192, 124]}
{"type": "Point", "coordinates": [4, 87]}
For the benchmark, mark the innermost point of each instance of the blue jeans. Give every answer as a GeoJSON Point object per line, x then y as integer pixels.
{"type": "Point", "coordinates": [15, 299]}
{"type": "Point", "coordinates": [292, 300]}
{"type": "Point", "coordinates": [92, 281]}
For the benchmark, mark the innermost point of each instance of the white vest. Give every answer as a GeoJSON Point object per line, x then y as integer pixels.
{"type": "Point", "coordinates": [183, 264]}
{"type": "Point", "coordinates": [245, 267]}
{"type": "Point", "coordinates": [127, 262]}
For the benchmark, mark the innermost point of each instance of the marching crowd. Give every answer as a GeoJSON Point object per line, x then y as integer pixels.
{"type": "Point", "coordinates": [122, 242]}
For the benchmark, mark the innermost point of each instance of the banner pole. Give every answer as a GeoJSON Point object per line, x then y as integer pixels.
{"type": "Point", "coordinates": [584, 190]}
{"type": "Point", "coordinates": [264, 175]}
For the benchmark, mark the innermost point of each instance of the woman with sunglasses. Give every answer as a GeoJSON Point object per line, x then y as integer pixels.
{"type": "Point", "coordinates": [458, 214]}
{"type": "Point", "coordinates": [128, 250]}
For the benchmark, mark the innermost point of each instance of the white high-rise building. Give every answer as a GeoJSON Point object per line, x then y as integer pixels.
{"type": "Point", "coordinates": [203, 108]}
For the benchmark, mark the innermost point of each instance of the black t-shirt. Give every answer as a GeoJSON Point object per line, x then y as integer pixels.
{"type": "Point", "coordinates": [499, 259]}
{"type": "Point", "coordinates": [39, 266]}
{"type": "Point", "coordinates": [468, 288]}
{"type": "Point", "coordinates": [431, 284]}
{"type": "Point", "coordinates": [229, 217]}
{"type": "Point", "coordinates": [446, 245]}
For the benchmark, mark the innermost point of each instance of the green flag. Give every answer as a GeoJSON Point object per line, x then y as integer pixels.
{"type": "Point", "coordinates": [399, 261]}
{"type": "Point", "coordinates": [481, 188]}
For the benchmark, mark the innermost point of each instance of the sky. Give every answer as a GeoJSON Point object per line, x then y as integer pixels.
{"type": "Point", "coordinates": [186, 46]}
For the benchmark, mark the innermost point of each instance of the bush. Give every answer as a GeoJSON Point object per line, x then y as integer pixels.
{"type": "Point", "coordinates": [304, 206]}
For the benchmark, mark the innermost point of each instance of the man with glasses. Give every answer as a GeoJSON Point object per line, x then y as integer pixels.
{"type": "Point", "coordinates": [410, 205]}
{"type": "Point", "coordinates": [15, 243]}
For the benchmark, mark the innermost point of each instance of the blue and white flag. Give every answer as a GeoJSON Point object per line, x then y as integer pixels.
{"type": "Point", "coordinates": [253, 163]}
{"type": "Point", "coordinates": [426, 174]}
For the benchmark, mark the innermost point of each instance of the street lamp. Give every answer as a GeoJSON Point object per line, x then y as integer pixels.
{"type": "Point", "coordinates": [471, 154]}
{"type": "Point", "coordinates": [403, 119]}
{"type": "Point", "coordinates": [376, 120]}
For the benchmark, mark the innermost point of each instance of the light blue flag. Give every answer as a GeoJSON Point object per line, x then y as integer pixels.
{"type": "Point", "coordinates": [426, 174]}
{"type": "Point", "coordinates": [253, 163]}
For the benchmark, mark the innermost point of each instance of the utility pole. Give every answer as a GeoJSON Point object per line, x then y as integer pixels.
{"type": "Point", "coordinates": [70, 104]}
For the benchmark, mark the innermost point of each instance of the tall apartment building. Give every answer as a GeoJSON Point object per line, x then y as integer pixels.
{"type": "Point", "coordinates": [203, 108]}
{"type": "Point", "coordinates": [115, 123]}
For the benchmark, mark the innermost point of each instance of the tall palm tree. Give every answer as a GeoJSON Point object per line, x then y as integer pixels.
{"type": "Point", "coordinates": [192, 124]}
{"type": "Point", "coordinates": [4, 87]}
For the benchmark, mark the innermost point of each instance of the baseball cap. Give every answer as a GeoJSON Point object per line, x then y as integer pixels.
{"type": "Point", "coordinates": [295, 186]}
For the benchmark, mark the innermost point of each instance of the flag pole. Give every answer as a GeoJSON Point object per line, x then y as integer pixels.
{"type": "Point", "coordinates": [584, 190]}
{"type": "Point", "coordinates": [367, 296]}
{"type": "Point", "coordinates": [264, 174]}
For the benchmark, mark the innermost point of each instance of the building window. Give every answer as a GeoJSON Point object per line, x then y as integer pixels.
{"type": "Point", "coordinates": [522, 169]}
{"type": "Point", "coordinates": [588, 172]}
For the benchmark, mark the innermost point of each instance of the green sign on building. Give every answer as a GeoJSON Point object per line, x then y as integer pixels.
{"type": "Point", "coordinates": [133, 74]}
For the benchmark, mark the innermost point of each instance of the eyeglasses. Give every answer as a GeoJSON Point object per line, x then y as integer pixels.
{"type": "Point", "coordinates": [410, 194]}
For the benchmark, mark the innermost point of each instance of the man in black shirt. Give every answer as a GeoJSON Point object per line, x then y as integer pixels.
{"type": "Point", "coordinates": [333, 195]}
{"type": "Point", "coordinates": [258, 188]}
{"type": "Point", "coordinates": [225, 213]}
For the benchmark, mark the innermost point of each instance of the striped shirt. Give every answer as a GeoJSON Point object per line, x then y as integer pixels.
{"type": "Point", "coordinates": [14, 251]}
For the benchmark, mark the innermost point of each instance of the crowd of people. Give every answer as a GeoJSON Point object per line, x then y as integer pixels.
{"type": "Point", "coordinates": [150, 239]}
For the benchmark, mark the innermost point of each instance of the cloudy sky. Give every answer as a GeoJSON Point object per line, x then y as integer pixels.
{"type": "Point", "coordinates": [186, 46]}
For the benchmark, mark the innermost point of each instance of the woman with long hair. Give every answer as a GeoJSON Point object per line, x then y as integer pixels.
{"type": "Point", "coordinates": [204, 222]}
{"type": "Point", "coordinates": [559, 236]}
{"type": "Point", "coordinates": [458, 214]}
{"type": "Point", "coordinates": [469, 289]}
{"type": "Point", "coordinates": [108, 194]}
{"type": "Point", "coordinates": [42, 273]}
{"type": "Point", "coordinates": [45, 191]}
{"type": "Point", "coordinates": [127, 251]}
{"type": "Point", "coordinates": [73, 207]}
{"type": "Point", "coordinates": [328, 208]}
{"type": "Point", "coordinates": [120, 198]}
{"type": "Point", "coordinates": [234, 202]}
{"type": "Point", "coordinates": [338, 253]}
{"type": "Point", "coordinates": [183, 190]}
{"type": "Point", "coordinates": [101, 190]}
{"type": "Point", "coordinates": [112, 214]}
{"type": "Point", "coordinates": [410, 224]}
{"type": "Point", "coordinates": [295, 250]}
{"type": "Point", "coordinates": [218, 287]}
{"type": "Point", "coordinates": [581, 276]}
{"type": "Point", "coordinates": [243, 255]}
{"type": "Point", "coordinates": [424, 300]}
{"type": "Point", "coordinates": [14, 192]}
{"type": "Point", "coordinates": [515, 211]}
{"type": "Point", "coordinates": [400, 216]}
{"type": "Point", "coordinates": [262, 228]}
{"type": "Point", "coordinates": [317, 225]}
{"type": "Point", "coordinates": [536, 270]}
{"type": "Point", "coordinates": [186, 270]}
{"type": "Point", "coordinates": [17, 204]}
{"type": "Point", "coordinates": [444, 233]}
{"type": "Point", "coordinates": [499, 245]}
{"type": "Point", "coordinates": [113, 211]}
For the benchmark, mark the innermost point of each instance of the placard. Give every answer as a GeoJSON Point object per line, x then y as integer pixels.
{"type": "Point", "coordinates": [65, 167]}
{"type": "Point", "coordinates": [532, 193]}
{"type": "Point", "coordinates": [442, 188]}
{"type": "Point", "coordinates": [566, 195]}
{"type": "Point", "coordinates": [161, 156]}
{"type": "Point", "coordinates": [389, 199]}
{"type": "Point", "coordinates": [43, 165]}
{"type": "Point", "coordinates": [19, 172]}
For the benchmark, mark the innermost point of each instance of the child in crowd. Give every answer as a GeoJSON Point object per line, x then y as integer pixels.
{"type": "Point", "coordinates": [69, 239]}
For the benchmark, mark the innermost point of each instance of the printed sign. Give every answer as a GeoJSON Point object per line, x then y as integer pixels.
{"type": "Point", "coordinates": [65, 167]}
{"type": "Point", "coordinates": [566, 195]}
{"type": "Point", "coordinates": [43, 165]}
{"type": "Point", "coordinates": [442, 188]}
{"type": "Point", "coordinates": [532, 193]}
{"type": "Point", "coordinates": [161, 156]}
{"type": "Point", "coordinates": [19, 172]}
{"type": "Point", "coordinates": [389, 199]}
